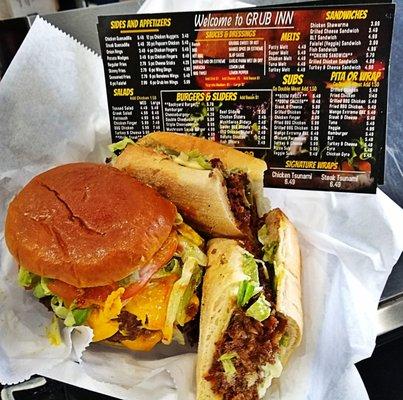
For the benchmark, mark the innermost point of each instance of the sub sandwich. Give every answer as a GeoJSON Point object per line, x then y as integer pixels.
{"type": "Point", "coordinates": [99, 248]}
{"type": "Point", "coordinates": [251, 313]}
{"type": "Point", "coordinates": [216, 188]}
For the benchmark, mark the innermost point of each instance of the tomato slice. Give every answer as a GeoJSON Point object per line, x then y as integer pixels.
{"type": "Point", "coordinates": [82, 297]}
{"type": "Point", "coordinates": [95, 295]}
{"type": "Point", "coordinates": [161, 258]}
{"type": "Point", "coordinates": [85, 297]}
{"type": "Point", "coordinates": [62, 289]}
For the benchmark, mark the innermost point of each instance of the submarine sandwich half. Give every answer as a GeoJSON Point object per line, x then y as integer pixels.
{"type": "Point", "coordinates": [251, 314]}
{"type": "Point", "coordinates": [216, 188]}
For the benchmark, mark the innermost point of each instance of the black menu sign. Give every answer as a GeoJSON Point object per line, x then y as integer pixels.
{"type": "Point", "coordinates": [304, 88]}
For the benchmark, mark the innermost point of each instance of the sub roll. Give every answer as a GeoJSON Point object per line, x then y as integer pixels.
{"type": "Point", "coordinates": [251, 313]}
{"type": "Point", "coordinates": [216, 188]}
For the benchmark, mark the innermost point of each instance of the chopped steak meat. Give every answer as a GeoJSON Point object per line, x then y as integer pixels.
{"type": "Point", "coordinates": [236, 186]}
{"type": "Point", "coordinates": [217, 163]}
{"type": "Point", "coordinates": [255, 343]}
{"type": "Point", "coordinates": [191, 310]}
{"type": "Point", "coordinates": [245, 213]}
{"type": "Point", "coordinates": [129, 328]}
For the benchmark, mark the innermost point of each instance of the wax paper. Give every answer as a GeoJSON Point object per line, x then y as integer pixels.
{"type": "Point", "coordinates": [53, 110]}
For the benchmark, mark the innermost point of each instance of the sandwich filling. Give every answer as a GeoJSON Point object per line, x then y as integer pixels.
{"type": "Point", "coordinates": [247, 357]}
{"type": "Point", "coordinates": [149, 306]}
{"type": "Point", "coordinates": [246, 352]}
{"type": "Point", "coordinates": [236, 181]}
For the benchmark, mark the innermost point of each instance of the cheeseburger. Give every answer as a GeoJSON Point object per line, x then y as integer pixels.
{"type": "Point", "coordinates": [101, 249]}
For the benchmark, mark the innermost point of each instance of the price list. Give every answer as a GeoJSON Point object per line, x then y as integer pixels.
{"type": "Point", "coordinates": [304, 88]}
{"type": "Point", "coordinates": [220, 115]}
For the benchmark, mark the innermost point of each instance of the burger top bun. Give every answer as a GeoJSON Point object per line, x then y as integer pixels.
{"type": "Point", "coordinates": [86, 224]}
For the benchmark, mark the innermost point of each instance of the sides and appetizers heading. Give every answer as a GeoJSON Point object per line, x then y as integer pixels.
{"type": "Point", "coordinates": [304, 88]}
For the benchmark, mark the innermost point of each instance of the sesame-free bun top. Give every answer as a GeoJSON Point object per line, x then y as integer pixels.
{"type": "Point", "coordinates": [86, 224]}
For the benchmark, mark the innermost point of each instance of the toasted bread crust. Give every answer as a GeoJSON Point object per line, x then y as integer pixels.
{"type": "Point", "coordinates": [288, 292]}
{"type": "Point", "coordinates": [86, 224]}
{"type": "Point", "coordinates": [230, 157]}
{"type": "Point", "coordinates": [200, 195]}
{"type": "Point", "coordinates": [220, 288]}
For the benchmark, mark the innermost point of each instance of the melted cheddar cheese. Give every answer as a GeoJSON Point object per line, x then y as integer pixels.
{"type": "Point", "coordinates": [150, 305]}
{"type": "Point", "coordinates": [102, 320]}
{"type": "Point", "coordinates": [143, 343]}
{"type": "Point", "coordinates": [190, 234]}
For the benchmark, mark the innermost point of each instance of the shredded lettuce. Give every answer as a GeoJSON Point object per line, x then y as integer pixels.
{"type": "Point", "coordinates": [270, 252]}
{"type": "Point", "coordinates": [169, 152]}
{"type": "Point", "coordinates": [228, 356]}
{"type": "Point", "coordinates": [173, 267]}
{"type": "Point", "coordinates": [80, 315]}
{"type": "Point", "coordinates": [203, 161]}
{"type": "Point", "coordinates": [227, 364]}
{"type": "Point", "coordinates": [187, 296]}
{"type": "Point", "coordinates": [249, 267]}
{"type": "Point", "coordinates": [285, 340]}
{"type": "Point", "coordinates": [260, 309]}
{"type": "Point", "coordinates": [41, 289]}
{"type": "Point", "coordinates": [190, 250]}
{"type": "Point", "coordinates": [58, 307]}
{"type": "Point", "coordinates": [178, 336]}
{"type": "Point", "coordinates": [279, 272]}
{"type": "Point", "coordinates": [76, 317]}
{"type": "Point", "coordinates": [263, 234]}
{"type": "Point", "coordinates": [269, 248]}
{"type": "Point", "coordinates": [249, 287]}
{"type": "Point", "coordinates": [246, 291]}
{"type": "Point", "coordinates": [192, 258]}
{"type": "Point", "coordinates": [72, 316]}
{"type": "Point", "coordinates": [267, 373]}
{"type": "Point", "coordinates": [53, 332]}
{"type": "Point", "coordinates": [69, 320]}
{"type": "Point", "coordinates": [133, 277]}
{"type": "Point", "coordinates": [121, 145]}
{"type": "Point", "coordinates": [178, 219]}
{"type": "Point", "coordinates": [26, 278]}
{"type": "Point", "coordinates": [192, 159]}
{"type": "Point", "coordinates": [190, 268]}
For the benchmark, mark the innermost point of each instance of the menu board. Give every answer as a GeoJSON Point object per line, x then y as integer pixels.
{"type": "Point", "coordinates": [303, 88]}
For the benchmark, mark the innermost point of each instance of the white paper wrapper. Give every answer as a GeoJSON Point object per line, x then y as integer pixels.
{"type": "Point", "coordinates": [53, 110]}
